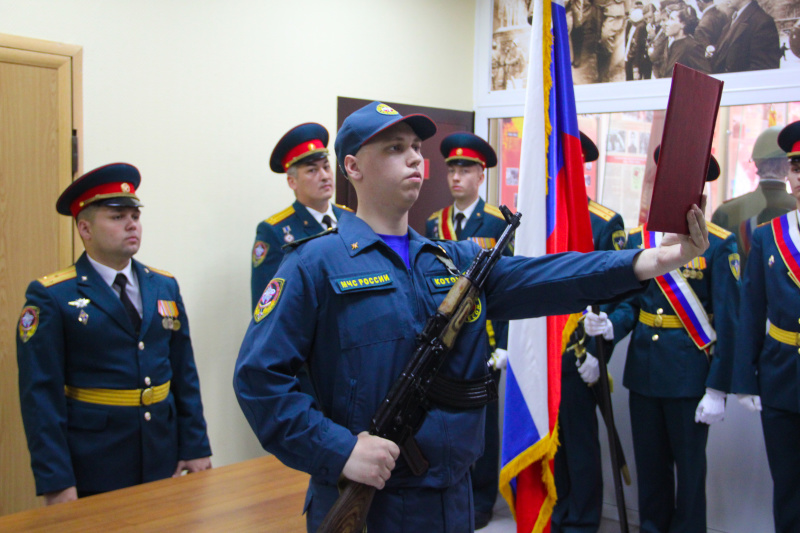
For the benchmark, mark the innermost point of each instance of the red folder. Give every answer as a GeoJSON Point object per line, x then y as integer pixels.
{"type": "Point", "coordinates": [685, 149]}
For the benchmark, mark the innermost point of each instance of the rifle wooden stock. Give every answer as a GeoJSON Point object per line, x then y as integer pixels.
{"type": "Point", "coordinates": [349, 513]}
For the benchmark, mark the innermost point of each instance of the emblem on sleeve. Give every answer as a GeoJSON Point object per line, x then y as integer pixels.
{"type": "Point", "coordinates": [28, 322]}
{"type": "Point", "coordinates": [268, 300]}
{"type": "Point", "coordinates": [733, 261]}
{"type": "Point", "coordinates": [260, 249]}
{"type": "Point", "coordinates": [618, 237]}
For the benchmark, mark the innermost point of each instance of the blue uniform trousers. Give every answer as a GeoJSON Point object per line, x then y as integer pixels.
{"type": "Point", "coordinates": [667, 435]}
{"type": "Point", "coordinates": [403, 510]}
{"type": "Point", "coordinates": [578, 472]}
{"type": "Point", "coordinates": [781, 435]}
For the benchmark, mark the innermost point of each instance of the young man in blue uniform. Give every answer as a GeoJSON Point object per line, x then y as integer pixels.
{"type": "Point", "coordinates": [302, 155]}
{"type": "Point", "coordinates": [577, 468]}
{"type": "Point", "coordinates": [470, 218]}
{"type": "Point", "coordinates": [108, 385]}
{"type": "Point", "coordinates": [678, 371]}
{"type": "Point", "coordinates": [350, 304]}
{"type": "Point", "coordinates": [766, 371]}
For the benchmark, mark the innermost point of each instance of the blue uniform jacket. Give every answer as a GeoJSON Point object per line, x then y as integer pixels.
{"type": "Point", "coordinates": [485, 226]}
{"type": "Point", "coordinates": [346, 303]}
{"type": "Point", "coordinates": [671, 366]}
{"type": "Point", "coordinates": [99, 447]}
{"type": "Point", "coordinates": [291, 224]}
{"type": "Point", "coordinates": [763, 365]}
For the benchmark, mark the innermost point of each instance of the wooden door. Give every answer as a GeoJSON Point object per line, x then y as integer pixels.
{"type": "Point", "coordinates": [38, 85]}
{"type": "Point", "coordinates": [435, 193]}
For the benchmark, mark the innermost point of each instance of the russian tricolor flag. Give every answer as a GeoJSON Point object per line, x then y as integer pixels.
{"type": "Point", "coordinates": [551, 183]}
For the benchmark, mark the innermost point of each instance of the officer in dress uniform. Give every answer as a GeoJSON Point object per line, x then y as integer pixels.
{"type": "Point", "coordinates": [678, 371]}
{"type": "Point", "coordinates": [742, 214]}
{"type": "Point", "coordinates": [350, 304]}
{"type": "Point", "coordinates": [578, 471]}
{"type": "Point", "coordinates": [470, 218]}
{"type": "Point", "coordinates": [766, 374]}
{"type": "Point", "coordinates": [302, 155]}
{"type": "Point", "coordinates": [108, 385]}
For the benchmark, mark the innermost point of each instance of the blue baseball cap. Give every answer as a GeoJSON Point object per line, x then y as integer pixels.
{"type": "Point", "coordinates": [370, 120]}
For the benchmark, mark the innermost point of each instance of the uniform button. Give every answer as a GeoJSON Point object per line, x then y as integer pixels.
{"type": "Point", "coordinates": [655, 337]}
{"type": "Point", "coordinates": [141, 345]}
{"type": "Point", "coordinates": [147, 416]}
{"type": "Point", "coordinates": [147, 381]}
{"type": "Point", "coordinates": [659, 311]}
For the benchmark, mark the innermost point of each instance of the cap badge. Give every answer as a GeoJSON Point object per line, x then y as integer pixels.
{"type": "Point", "coordinates": [460, 151]}
{"type": "Point", "coordinates": [311, 146]}
{"type": "Point", "coordinates": [125, 187]}
{"type": "Point", "coordinates": [384, 109]}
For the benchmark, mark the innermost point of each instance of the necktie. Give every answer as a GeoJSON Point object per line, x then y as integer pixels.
{"type": "Point", "coordinates": [121, 281]}
{"type": "Point", "coordinates": [327, 222]}
{"type": "Point", "coordinates": [459, 224]}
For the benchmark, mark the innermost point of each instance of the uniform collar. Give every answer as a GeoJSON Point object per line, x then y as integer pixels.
{"type": "Point", "coordinates": [468, 211]}
{"type": "Point", "coordinates": [358, 236]}
{"type": "Point", "coordinates": [318, 216]}
{"type": "Point", "coordinates": [109, 274]}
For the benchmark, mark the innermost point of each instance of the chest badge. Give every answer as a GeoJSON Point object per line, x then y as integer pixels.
{"type": "Point", "coordinates": [169, 313]}
{"type": "Point", "coordinates": [287, 234]}
{"type": "Point", "coordinates": [80, 303]}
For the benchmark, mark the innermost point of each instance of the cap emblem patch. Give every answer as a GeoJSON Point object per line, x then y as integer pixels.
{"type": "Point", "coordinates": [384, 109]}
{"type": "Point", "coordinates": [125, 187]}
{"type": "Point", "coordinates": [460, 151]}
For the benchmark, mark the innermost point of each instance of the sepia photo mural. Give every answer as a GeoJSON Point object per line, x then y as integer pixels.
{"type": "Point", "coordinates": [627, 40]}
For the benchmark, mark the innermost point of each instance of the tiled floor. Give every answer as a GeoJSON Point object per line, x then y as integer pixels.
{"type": "Point", "coordinates": [504, 523]}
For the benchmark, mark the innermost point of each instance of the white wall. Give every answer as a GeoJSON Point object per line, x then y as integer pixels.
{"type": "Point", "coordinates": [195, 93]}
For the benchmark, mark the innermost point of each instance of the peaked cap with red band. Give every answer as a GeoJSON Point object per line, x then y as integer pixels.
{"type": "Point", "coordinates": [713, 167]}
{"type": "Point", "coordinates": [111, 185]}
{"type": "Point", "coordinates": [589, 149]}
{"type": "Point", "coordinates": [306, 142]}
{"type": "Point", "coordinates": [789, 140]}
{"type": "Point", "coordinates": [467, 148]}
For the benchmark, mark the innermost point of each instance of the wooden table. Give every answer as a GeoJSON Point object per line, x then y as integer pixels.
{"type": "Point", "coordinates": [256, 495]}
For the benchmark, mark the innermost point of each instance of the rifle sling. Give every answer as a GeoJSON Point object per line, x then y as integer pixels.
{"type": "Point", "coordinates": [463, 393]}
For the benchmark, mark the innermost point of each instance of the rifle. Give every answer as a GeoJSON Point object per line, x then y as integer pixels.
{"type": "Point", "coordinates": [602, 393]}
{"type": "Point", "coordinates": [402, 412]}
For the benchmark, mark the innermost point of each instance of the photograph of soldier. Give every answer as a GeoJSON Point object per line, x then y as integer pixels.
{"type": "Point", "coordinates": [627, 40]}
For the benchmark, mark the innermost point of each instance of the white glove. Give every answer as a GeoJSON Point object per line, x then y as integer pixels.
{"type": "Point", "coordinates": [590, 369]}
{"type": "Point", "coordinates": [499, 359]}
{"type": "Point", "coordinates": [598, 325]}
{"type": "Point", "coordinates": [751, 402]}
{"type": "Point", "coordinates": [711, 408]}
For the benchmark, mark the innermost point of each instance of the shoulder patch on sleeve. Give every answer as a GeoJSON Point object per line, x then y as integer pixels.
{"type": "Point", "coordinates": [719, 231]}
{"type": "Point", "coordinates": [162, 272]}
{"type": "Point", "coordinates": [601, 210]}
{"type": "Point", "coordinates": [435, 215]}
{"type": "Point", "coordinates": [635, 230]}
{"type": "Point", "coordinates": [57, 277]}
{"type": "Point", "coordinates": [277, 217]}
{"type": "Point", "coordinates": [494, 211]}
{"type": "Point", "coordinates": [344, 207]}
